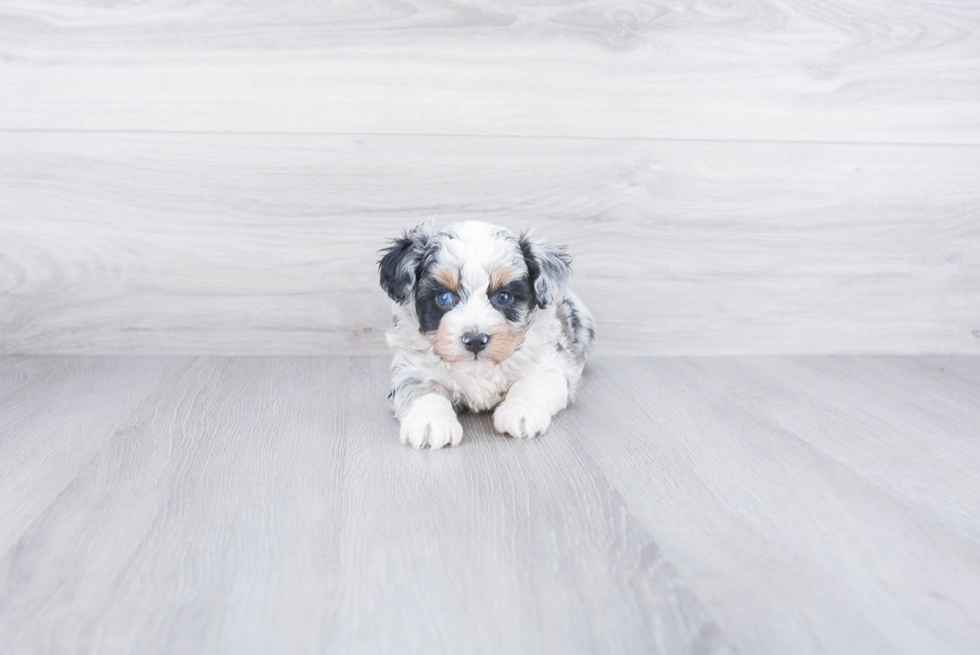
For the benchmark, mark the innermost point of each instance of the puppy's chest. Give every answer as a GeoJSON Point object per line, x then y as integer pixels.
{"type": "Point", "coordinates": [480, 391]}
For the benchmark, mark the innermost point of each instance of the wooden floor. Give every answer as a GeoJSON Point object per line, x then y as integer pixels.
{"type": "Point", "coordinates": [682, 505]}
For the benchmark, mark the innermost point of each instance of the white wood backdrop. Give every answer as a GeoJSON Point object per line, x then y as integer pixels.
{"type": "Point", "coordinates": [844, 70]}
{"type": "Point", "coordinates": [732, 177]}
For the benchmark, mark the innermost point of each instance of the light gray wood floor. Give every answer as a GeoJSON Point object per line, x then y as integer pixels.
{"type": "Point", "coordinates": [216, 505]}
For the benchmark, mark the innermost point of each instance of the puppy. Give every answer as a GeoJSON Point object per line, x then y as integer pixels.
{"type": "Point", "coordinates": [482, 320]}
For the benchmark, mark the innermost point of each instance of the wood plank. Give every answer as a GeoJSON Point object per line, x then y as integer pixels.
{"type": "Point", "coordinates": [956, 367]}
{"type": "Point", "coordinates": [265, 244]}
{"type": "Point", "coordinates": [921, 444]}
{"type": "Point", "coordinates": [265, 505]}
{"type": "Point", "coordinates": [765, 69]}
{"type": "Point", "coordinates": [55, 414]}
{"type": "Point", "coordinates": [529, 549]}
{"type": "Point", "coordinates": [758, 479]}
{"type": "Point", "coordinates": [216, 499]}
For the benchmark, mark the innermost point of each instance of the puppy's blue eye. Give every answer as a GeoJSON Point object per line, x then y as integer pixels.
{"type": "Point", "coordinates": [504, 298]}
{"type": "Point", "coordinates": [445, 299]}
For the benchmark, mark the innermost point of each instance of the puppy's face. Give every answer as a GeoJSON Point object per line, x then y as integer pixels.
{"type": "Point", "coordinates": [474, 287]}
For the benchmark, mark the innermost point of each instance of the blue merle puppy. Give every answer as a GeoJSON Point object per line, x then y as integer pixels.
{"type": "Point", "coordinates": [482, 320]}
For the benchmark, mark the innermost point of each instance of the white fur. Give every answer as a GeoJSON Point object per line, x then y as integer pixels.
{"type": "Point", "coordinates": [432, 422]}
{"type": "Point", "coordinates": [530, 404]}
{"type": "Point", "coordinates": [526, 389]}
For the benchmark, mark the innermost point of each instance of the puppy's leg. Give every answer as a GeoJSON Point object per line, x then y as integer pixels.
{"type": "Point", "coordinates": [530, 404]}
{"type": "Point", "coordinates": [423, 408]}
{"type": "Point", "coordinates": [431, 421]}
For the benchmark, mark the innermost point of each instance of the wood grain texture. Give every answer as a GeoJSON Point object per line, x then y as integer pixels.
{"type": "Point", "coordinates": [266, 244]}
{"type": "Point", "coordinates": [810, 505]}
{"type": "Point", "coordinates": [43, 450]}
{"type": "Point", "coordinates": [265, 505]}
{"type": "Point", "coordinates": [751, 69]}
{"type": "Point", "coordinates": [814, 504]}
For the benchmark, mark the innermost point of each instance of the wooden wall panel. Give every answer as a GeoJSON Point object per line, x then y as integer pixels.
{"type": "Point", "coordinates": [245, 244]}
{"type": "Point", "coordinates": [747, 69]}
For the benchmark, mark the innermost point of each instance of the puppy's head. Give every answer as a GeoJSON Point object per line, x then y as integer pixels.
{"type": "Point", "coordinates": [474, 287]}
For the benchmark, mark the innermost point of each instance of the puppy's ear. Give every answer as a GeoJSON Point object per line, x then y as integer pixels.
{"type": "Point", "coordinates": [399, 266]}
{"type": "Point", "coordinates": [549, 267]}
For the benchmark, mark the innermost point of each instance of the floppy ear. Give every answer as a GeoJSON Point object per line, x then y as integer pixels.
{"type": "Point", "coordinates": [399, 266]}
{"type": "Point", "coordinates": [549, 267]}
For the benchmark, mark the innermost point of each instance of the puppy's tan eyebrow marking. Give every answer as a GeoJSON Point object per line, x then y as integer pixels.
{"type": "Point", "coordinates": [504, 274]}
{"type": "Point", "coordinates": [447, 277]}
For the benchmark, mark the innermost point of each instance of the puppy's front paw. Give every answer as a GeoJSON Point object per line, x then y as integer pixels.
{"type": "Point", "coordinates": [431, 422]}
{"type": "Point", "coordinates": [521, 419]}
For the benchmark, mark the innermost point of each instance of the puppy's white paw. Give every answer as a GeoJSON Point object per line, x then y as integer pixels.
{"type": "Point", "coordinates": [431, 422]}
{"type": "Point", "coordinates": [520, 418]}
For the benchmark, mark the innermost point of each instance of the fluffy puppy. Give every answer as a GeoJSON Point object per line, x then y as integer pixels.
{"type": "Point", "coordinates": [482, 320]}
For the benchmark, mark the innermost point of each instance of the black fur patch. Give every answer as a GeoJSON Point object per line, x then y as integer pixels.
{"type": "Point", "coordinates": [429, 311]}
{"type": "Point", "coordinates": [523, 302]}
{"type": "Point", "coordinates": [533, 268]}
{"type": "Point", "coordinates": [548, 266]}
{"type": "Point", "coordinates": [400, 265]}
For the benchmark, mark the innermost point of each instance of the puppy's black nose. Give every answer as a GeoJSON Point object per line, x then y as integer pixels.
{"type": "Point", "coordinates": [475, 341]}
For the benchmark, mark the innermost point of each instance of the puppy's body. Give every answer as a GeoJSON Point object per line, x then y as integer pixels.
{"type": "Point", "coordinates": [511, 337]}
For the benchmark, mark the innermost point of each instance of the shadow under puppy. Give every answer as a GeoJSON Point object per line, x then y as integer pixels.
{"type": "Point", "coordinates": [482, 320]}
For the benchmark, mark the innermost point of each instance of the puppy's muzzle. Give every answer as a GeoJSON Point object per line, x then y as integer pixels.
{"type": "Point", "coordinates": [475, 341]}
